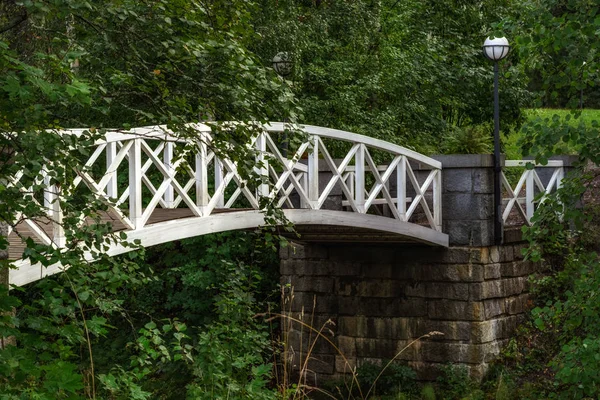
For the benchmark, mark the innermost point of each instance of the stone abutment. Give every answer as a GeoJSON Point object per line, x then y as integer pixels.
{"type": "Point", "coordinates": [381, 297]}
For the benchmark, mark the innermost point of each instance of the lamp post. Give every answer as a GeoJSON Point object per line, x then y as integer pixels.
{"type": "Point", "coordinates": [283, 65]}
{"type": "Point", "coordinates": [495, 50]}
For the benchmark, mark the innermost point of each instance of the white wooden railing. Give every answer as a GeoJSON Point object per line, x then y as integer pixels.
{"type": "Point", "coordinates": [140, 170]}
{"type": "Point", "coordinates": [529, 191]}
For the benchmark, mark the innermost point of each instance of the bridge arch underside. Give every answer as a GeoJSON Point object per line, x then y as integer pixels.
{"type": "Point", "coordinates": [313, 226]}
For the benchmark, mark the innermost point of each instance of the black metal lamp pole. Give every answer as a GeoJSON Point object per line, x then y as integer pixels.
{"type": "Point", "coordinates": [283, 65]}
{"type": "Point", "coordinates": [495, 50]}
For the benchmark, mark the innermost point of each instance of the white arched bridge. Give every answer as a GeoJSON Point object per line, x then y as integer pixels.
{"type": "Point", "coordinates": [157, 193]}
{"type": "Point", "coordinates": [333, 186]}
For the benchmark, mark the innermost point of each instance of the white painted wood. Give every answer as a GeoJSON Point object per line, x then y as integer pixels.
{"type": "Point", "coordinates": [58, 230]}
{"type": "Point", "coordinates": [437, 200]}
{"type": "Point", "coordinates": [529, 193]}
{"type": "Point", "coordinates": [263, 165]}
{"type": "Point", "coordinates": [111, 186]}
{"type": "Point", "coordinates": [530, 179]}
{"type": "Point", "coordinates": [313, 172]}
{"type": "Point", "coordinates": [170, 178]}
{"type": "Point", "coordinates": [218, 183]}
{"type": "Point", "coordinates": [49, 192]}
{"type": "Point", "coordinates": [337, 177]}
{"type": "Point", "coordinates": [169, 231]}
{"type": "Point", "coordinates": [366, 140]}
{"type": "Point", "coordinates": [524, 163]}
{"type": "Point", "coordinates": [169, 196]}
{"type": "Point", "coordinates": [201, 174]}
{"type": "Point", "coordinates": [135, 183]}
{"type": "Point", "coordinates": [359, 179]}
{"type": "Point", "coordinates": [288, 176]}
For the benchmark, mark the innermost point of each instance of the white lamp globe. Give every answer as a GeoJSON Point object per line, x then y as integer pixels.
{"type": "Point", "coordinates": [283, 64]}
{"type": "Point", "coordinates": [496, 49]}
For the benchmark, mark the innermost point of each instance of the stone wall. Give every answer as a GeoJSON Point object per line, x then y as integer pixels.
{"type": "Point", "coordinates": [380, 298]}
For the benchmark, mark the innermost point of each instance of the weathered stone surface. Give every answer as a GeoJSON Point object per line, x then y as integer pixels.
{"type": "Point", "coordinates": [467, 161]}
{"type": "Point", "coordinates": [469, 233]}
{"type": "Point", "coordinates": [483, 180]}
{"type": "Point", "coordinates": [452, 330]}
{"type": "Point", "coordinates": [382, 298]}
{"type": "Point", "coordinates": [493, 308]}
{"type": "Point", "coordinates": [344, 269]}
{"type": "Point", "coordinates": [317, 364]}
{"type": "Point", "coordinates": [517, 304]}
{"type": "Point", "coordinates": [467, 272]}
{"type": "Point", "coordinates": [437, 290]}
{"type": "Point", "coordinates": [379, 348]}
{"type": "Point", "coordinates": [379, 327]}
{"type": "Point", "coordinates": [492, 271]}
{"type": "Point", "coordinates": [347, 345]}
{"type": "Point", "coordinates": [305, 341]}
{"type": "Point", "coordinates": [310, 303]}
{"type": "Point", "coordinates": [376, 270]}
{"type": "Point", "coordinates": [497, 288]}
{"type": "Point", "coordinates": [457, 181]}
{"type": "Point", "coordinates": [467, 206]}
{"type": "Point", "coordinates": [304, 252]}
{"type": "Point", "coordinates": [493, 329]}
{"type": "Point", "coordinates": [458, 352]}
{"type": "Point", "coordinates": [317, 284]}
{"type": "Point", "coordinates": [455, 310]}
{"type": "Point", "coordinates": [345, 364]}
{"type": "Point", "coordinates": [391, 307]}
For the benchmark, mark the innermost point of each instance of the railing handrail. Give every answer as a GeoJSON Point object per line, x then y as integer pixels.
{"type": "Point", "coordinates": [162, 132]}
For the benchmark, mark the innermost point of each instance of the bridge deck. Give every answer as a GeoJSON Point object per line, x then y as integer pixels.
{"type": "Point", "coordinates": [308, 232]}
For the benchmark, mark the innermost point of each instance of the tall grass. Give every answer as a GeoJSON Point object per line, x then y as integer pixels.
{"type": "Point", "coordinates": [294, 384]}
{"type": "Point", "coordinates": [586, 115]}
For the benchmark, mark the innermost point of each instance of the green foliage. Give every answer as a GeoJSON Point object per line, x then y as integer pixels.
{"type": "Point", "coordinates": [470, 140]}
{"type": "Point", "coordinates": [407, 72]}
{"type": "Point", "coordinates": [564, 66]}
{"type": "Point", "coordinates": [397, 378]}
{"type": "Point", "coordinates": [428, 392]}
{"type": "Point", "coordinates": [115, 64]}
{"type": "Point", "coordinates": [557, 42]}
{"type": "Point", "coordinates": [454, 382]}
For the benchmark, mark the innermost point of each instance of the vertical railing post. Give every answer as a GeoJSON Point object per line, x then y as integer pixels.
{"type": "Point", "coordinates": [437, 200]}
{"type": "Point", "coordinates": [263, 166]}
{"type": "Point", "coordinates": [359, 178]}
{"type": "Point", "coordinates": [529, 194]}
{"type": "Point", "coordinates": [401, 188]}
{"type": "Point", "coordinates": [111, 186]}
{"type": "Point", "coordinates": [49, 193]}
{"type": "Point", "coordinates": [135, 183]}
{"type": "Point", "coordinates": [169, 196]}
{"type": "Point", "coordinates": [201, 174]}
{"type": "Point", "coordinates": [313, 172]}
{"type": "Point", "coordinates": [57, 219]}
{"type": "Point", "coordinates": [560, 177]}
{"type": "Point", "coordinates": [218, 181]}
{"type": "Point", "coordinates": [304, 183]}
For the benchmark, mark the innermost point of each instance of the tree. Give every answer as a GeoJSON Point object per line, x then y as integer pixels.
{"type": "Point", "coordinates": [558, 44]}
{"type": "Point", "coordinates": [110, 64]}
{"type": "Point", "coordinates": [409, 72]}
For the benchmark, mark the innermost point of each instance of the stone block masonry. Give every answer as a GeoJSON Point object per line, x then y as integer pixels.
{"type": "Point", "coordinates": [382, 297]}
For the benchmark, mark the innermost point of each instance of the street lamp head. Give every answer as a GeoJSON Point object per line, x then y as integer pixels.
{"type": "Point", "coordinates": [283, 64]}
{"type": "Point", "coordinates": [496, 49]}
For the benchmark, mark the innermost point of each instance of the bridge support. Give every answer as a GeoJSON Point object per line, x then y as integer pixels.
{"type": "Point", "coordinates": [381, 297]}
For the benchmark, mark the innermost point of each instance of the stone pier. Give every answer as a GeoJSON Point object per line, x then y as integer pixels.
{"type": "Point", "coordinates": [381, 297]}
